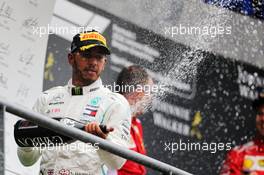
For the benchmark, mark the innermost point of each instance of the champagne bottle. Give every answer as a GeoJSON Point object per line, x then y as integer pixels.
{"type": "Point", "coordinates": [28, 134]}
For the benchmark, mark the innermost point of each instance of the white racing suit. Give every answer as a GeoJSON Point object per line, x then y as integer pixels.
{"type": "Point", "coordinates": [91, 103]}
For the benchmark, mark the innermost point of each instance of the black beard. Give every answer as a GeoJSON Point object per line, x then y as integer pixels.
{"type": "Point", "coordinates": [77, 74]}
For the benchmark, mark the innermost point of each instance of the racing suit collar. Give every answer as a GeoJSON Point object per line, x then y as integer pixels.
{"type": "Point", "coordinates": [86, 89]}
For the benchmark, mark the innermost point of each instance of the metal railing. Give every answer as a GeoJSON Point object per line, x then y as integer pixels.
{"type": "Point", "coordinates": [54, 125]}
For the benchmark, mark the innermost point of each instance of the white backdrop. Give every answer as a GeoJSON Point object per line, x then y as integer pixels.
{"type": "Point", "coordinates": [22, 58]}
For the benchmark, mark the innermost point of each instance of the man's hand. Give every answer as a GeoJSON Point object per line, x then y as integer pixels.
{"type": "Point", "coordinates": [95, 129]}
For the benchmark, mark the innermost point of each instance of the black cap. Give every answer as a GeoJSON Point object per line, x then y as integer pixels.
{"type": "Point", "coordinates": [260, 99]}
{"type": "Point", "coordinates": [86, 40]}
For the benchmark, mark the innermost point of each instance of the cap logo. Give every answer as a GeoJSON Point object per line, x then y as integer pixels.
{"type": "Point", "coordinates": [87, 47]}
{"type": "Point", "coordinates": [92, 36]}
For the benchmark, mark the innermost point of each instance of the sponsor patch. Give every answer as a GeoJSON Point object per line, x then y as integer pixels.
{"type": "Point", "coordinates": [261, 162]}
{"type": "Point", "coordinates": [89, 112]}
{"type": "Point", "coordinates": [56, 103]}
{"type": "Point", "coordinates": [95, 101]}
{"type": "Point", "coordinates": [64, 172]}
{"type": "Point", "coordinates": [55, 110]}
{"type": "Point", "coordinates": [253, 163]}
{"type": "Point", "coordinates": [50, 172]}
{"type": "Point", "coordinates": [92, 36]}
{"type": "Point", "coordinates": [77, 91]}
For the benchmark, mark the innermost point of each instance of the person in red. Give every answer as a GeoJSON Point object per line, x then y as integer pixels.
{"type": "Point", "coordinates": [135, 84]}
{"type": "Point", "coordinates": [248, 159]}
{"type": "Point", "coordinates": [131, 167]}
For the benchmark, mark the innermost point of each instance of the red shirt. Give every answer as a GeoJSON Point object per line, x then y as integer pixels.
{"type": "Point", "coordinates": [245, 159]}
{"type": "Point", "coordinates": [131, 167]}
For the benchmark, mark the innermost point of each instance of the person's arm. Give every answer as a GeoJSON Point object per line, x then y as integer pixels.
{"type": "Point", "coordinates": [233, 163]}
{"type": "Point", "coordinates": [117, 116]}
{"type": "Point", "coordinates": [29, 156]}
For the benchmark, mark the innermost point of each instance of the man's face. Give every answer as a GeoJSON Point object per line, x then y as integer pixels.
{"type": "Point", "coordinates": [143, 101]}
{"type": "Point", "coordinates": [260, 120]}
{"type": "Point", "coordinates": [88, 66]}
